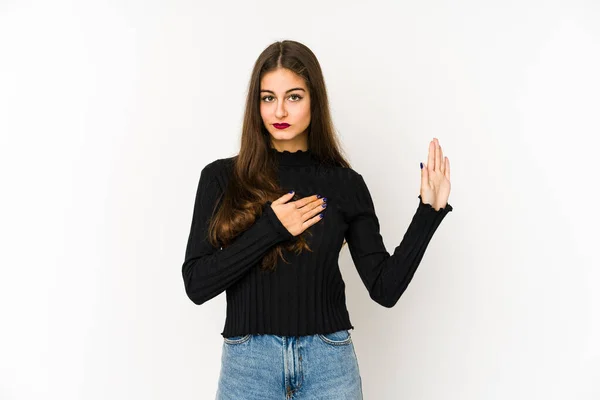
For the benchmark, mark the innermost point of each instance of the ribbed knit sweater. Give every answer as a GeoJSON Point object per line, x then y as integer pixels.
{"type": "Point", "coordinates": [307, 296]}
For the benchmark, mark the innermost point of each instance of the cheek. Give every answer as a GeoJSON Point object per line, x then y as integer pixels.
{"type": "Point", "coordinates": [263, 111]}
{"type": "Point", "coordinates": [304, 113]}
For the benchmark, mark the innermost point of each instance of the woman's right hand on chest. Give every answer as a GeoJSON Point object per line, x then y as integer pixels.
{"type": "Point", "coordinates": [300, 214]}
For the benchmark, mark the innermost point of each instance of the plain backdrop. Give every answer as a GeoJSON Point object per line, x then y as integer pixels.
{"type": "Point", "coordinates": [110, 109]}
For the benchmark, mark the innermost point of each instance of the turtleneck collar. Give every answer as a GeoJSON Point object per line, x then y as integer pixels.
{"type": "Point", "coordinates": [296, 158]}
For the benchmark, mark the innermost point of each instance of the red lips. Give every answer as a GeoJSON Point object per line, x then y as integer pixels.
{"type": "Point", "coordinates": [281, 126]}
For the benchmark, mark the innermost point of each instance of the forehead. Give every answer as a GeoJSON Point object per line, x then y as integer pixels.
{"type": "Point", "coordinates": [281, 79]}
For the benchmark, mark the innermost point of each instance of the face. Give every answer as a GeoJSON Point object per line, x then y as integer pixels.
{"type": "Point", "coordinates": [284, 99]}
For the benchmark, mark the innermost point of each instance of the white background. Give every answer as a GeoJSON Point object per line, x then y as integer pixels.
{"type": "Point", "coordinates": [110, 109]}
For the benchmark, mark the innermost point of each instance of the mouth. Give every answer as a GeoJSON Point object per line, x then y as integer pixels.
{"type": "Point", "coordinates": [281, 126]}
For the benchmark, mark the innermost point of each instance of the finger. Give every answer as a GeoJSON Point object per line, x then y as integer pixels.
{"type": "Point", "coordinates": [438, 161]}
{"type": "Point", "coordinates": [424, 177]}
{"type": "Point", "coordinates": [314, 208]}
{"type": "Point", "coordinates": [284, 198]}
{"type": "Point", "coordinates": [430, 158]}
{"type": "Point", "coordinates": [442, 161]}
{"type": "Point", "coordinates": [312, 221]}
{"type": "Point", "coordinates": [447, 168]}
{"type": "Point", "coordinates": [305, 200]}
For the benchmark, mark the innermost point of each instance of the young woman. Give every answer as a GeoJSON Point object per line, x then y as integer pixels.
{"type": "Point", "coordinates": [268, 225]}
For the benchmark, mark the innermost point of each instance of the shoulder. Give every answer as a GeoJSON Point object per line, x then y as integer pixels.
{"type": "Point", "coordinates": [217, 172]}
{"type": "Point", "coordinates": [217, 167]}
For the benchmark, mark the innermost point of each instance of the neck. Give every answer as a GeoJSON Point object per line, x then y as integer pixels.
{"type": "Point", "coordinates": [298, 142]}
{"type": "Point", "coordinates": [292, 158]}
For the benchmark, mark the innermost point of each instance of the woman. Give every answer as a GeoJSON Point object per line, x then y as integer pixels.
{"type": "Point", "coordinates": [268, 225]}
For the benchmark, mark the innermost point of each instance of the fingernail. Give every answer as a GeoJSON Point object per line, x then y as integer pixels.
{"type": "Point", "coordinates": [421, 165]}
{"type": "Point", "coordinates": [318, 196]}
{"type": "Point", "coordinates": [324, 198]}
{"type": "Point", "coordinates": [291, 191]}
{"type": "Point", "coordinates": [321, 215]}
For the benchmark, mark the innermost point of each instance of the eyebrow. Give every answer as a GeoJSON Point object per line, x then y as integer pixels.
{"type": "Point", "coordinates": [289, 90]}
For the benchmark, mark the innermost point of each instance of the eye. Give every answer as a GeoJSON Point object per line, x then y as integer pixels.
{"type": "Point", "coordinates": [298, 97]}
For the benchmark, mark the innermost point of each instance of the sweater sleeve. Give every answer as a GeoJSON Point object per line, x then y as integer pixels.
{"type": "Point", "coordinates": [207, 270]}
{"type": "Point", "coordinates": [387, 277]}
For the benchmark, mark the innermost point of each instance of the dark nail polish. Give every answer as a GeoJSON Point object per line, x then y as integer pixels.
{"type": "Point", "coordinates": [318, 196]}
{"type": "Point", "coordinates": [421, 165]}
{"type": "Point", "coordinates": [324, 198]}
{"type": "Point", "coordinates": [324, 205]}
{"type": "Point", "coordinates": [321, 215]}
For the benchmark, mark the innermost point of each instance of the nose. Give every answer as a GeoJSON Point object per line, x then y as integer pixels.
{"type": "Point", "coordinates": [280, 111]}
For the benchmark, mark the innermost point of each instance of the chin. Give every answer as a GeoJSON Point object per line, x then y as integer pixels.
{"type": "Point", "coordinates": [284, 135]}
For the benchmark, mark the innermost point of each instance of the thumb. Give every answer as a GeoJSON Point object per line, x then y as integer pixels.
{"type": "Point", "coordinates": [424, 175]}
{"type": "Point", "coordinates": [284, 198]}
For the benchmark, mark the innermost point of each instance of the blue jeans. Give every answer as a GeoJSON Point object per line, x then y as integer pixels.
{"type": "Point", "coordinates": [272, 367]}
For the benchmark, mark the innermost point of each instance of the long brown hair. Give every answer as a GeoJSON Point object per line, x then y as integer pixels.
{"type": "Point", "coordinates": [253, 179]}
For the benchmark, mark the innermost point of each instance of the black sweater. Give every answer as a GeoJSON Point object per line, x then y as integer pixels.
{"type": "Point", "coordinates": [306, 296]}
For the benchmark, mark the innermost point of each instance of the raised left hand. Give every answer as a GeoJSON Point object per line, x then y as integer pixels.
{"type": "Point", "coordinates": [435, 177]}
